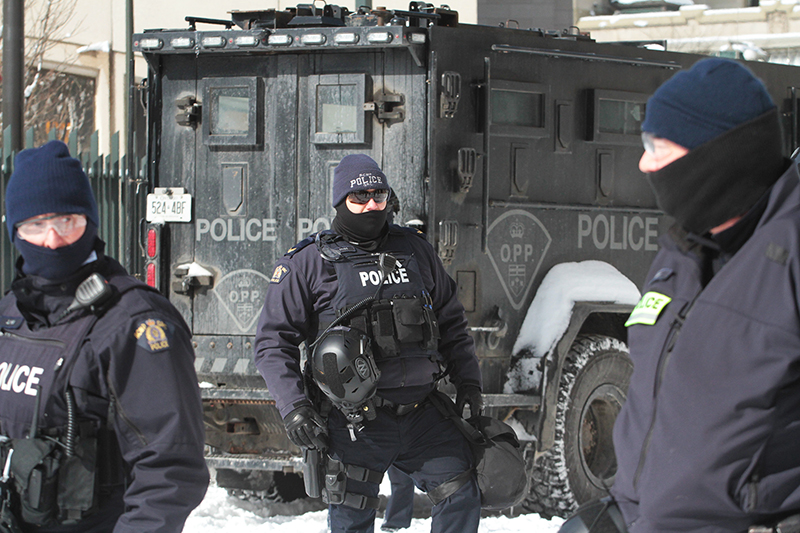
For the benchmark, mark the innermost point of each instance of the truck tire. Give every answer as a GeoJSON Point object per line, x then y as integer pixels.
{"type": "Point", "coordinates": [581, 464]}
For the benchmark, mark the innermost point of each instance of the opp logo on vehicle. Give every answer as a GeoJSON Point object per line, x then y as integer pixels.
{"type": "Point", "coordinates": [518, 243]}
{"type": "Point", "coordinates": [241, 294]}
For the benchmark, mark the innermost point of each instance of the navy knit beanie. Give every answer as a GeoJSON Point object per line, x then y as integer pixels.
{"type": "Point", "coordinates": [699, 104]}
{"type": "Point", "coordinates": [48, 180]}
{"type": "Point", "coordinates": [356, 172]}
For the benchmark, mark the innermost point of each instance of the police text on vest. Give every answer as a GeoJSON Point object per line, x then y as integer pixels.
{"type": "Point", "coordinates": [374, 277]}
{"type": "Point", "coordinates": [11, 378]}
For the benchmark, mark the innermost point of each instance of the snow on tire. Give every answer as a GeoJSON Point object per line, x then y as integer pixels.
{"type": "Point", "coordinates": [581, 464]}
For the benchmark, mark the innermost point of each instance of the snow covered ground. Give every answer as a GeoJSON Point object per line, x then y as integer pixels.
{"type": "Point", "coordinates": [220, 513]}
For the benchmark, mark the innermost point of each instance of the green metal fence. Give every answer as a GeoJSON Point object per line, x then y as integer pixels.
{"type": "Point", "coordinates": [109, 176]}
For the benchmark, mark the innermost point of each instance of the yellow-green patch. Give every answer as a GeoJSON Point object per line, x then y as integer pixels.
{"type": "Point", "coordinates": [647, 310]}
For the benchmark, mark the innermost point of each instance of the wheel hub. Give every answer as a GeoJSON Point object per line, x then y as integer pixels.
{"type": "Point", "coordinates": [595, 439]}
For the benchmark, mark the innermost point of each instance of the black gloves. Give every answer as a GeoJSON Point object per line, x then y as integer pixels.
{"type": "Point", "coordinates": [306, 428]}
{"type": "Point", "coordinates": [469, 394]}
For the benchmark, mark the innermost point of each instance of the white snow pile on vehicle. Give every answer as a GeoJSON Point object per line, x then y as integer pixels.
{"type": "Point", "coordinates": [550, 312]}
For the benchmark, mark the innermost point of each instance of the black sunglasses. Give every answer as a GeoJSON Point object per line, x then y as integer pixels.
{"type": "Point", "coordinates": [363, 197]}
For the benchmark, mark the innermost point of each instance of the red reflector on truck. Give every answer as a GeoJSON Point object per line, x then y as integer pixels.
{"type": "Point", "coordinates": [152, 237]}
{"type": "Point", "coordinates": [151, 274]}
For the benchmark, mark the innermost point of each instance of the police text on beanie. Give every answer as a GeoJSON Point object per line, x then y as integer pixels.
{"type": "Point", "coordinates": [356, 172]}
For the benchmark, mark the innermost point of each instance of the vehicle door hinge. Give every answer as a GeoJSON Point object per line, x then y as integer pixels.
{"type": "Point", "coordinates": [388, 107]}
{"type": "Point", "coordinates": [450, 94]}
{"type": "Point", "coordinates": [467, 166]}
{"type": "Point", "coordinates": [190, 109]}
{"type": "Point", "coordinates": [448, 240]}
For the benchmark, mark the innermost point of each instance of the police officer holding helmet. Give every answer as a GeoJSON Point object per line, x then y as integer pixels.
{"type": "Point", "coordinates": [100, 411]}
{"type": "Point", "coordinates": [380, 320]}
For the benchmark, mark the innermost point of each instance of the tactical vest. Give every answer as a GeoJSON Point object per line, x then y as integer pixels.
{"type": "Point", "coordinates": [35, 367]}
{"type": "Point", "coordinates": [401, 320]}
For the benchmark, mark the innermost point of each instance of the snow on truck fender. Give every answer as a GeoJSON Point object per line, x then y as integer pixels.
{"type": "Point", "coordinates": [550, 312]}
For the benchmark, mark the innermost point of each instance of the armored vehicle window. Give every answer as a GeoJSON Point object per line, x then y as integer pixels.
{"type": "Point", "coordinates": [512, 108]}
{"type": "Point", "coordinates": [518, 108]}
{"type": "Point", "coordinates": [332, 116]}
{"type": "Point", "coordinates": [230, 115]}
{"type": "Point", "coordinates": [339, 108]}
{"type": "Point", "coordinates": [229, 111]}
{"type": "Point", "coordinates": [618, 116]}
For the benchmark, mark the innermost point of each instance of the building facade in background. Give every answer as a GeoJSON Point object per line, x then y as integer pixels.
{"type": "Point", "coordinates": [75, 49]}
{"type": "Point", "coordinates": [75, 53]}
{"type": "Point", "coordinates": [767, 32]}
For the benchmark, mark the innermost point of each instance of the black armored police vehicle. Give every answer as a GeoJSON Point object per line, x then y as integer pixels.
{"type": "Point", "coordinates": [514, 150]}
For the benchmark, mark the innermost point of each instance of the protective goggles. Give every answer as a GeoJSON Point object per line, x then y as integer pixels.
{"type": "Point", "coordinates": [363, 197]}
{"type": "Point", "coordinates": [63, 224]}
{"type": "Point", "coordinates": [596, 516]}
{"type": "Point", "coordinates": [648, 141]}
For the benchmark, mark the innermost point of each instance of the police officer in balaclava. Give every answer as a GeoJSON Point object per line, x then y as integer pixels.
{"type": "Point", "coordinates": [329, 291]}
{"type": "Point", "coordinates": [706, 439]}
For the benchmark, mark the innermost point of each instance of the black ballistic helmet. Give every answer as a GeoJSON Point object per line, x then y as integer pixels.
{"type": "Point", "coordinates": [596, 516]}
{"type": "Point", "coordinates": [344, 368]}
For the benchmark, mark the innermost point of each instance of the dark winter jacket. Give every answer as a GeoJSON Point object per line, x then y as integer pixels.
{"type": "Point", "coordinates": [708, 438]}
{"type": "Point", "coordinates": [137, 355]}
{"type": "Point", "coordinates": [304, 286]}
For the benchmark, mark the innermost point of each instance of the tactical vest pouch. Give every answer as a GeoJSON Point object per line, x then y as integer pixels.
{"type": "Point", "coordinates": [76, 487]}
{"type": "Point", "coordinates": [34, 465]}
{"type": "Point", "coordinates": [415, 321]}
{"type": "Point", "coordinates": [383, 328]}
{"type": "Point", "coordinates": [409, 319]}
{"type": "Point", "coordinates": [432, 335]}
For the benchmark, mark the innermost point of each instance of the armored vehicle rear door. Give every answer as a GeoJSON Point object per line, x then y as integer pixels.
{"type": "Point", "coordinates": [245, 212]}
{"type": "Point", "coordinates": [272, 130]}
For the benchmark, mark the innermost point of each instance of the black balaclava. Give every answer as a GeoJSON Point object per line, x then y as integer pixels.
{"type": "Point", "coordinates": [367, 229]}
{"type": "Point", "coordinates": [58, 263]}
{"type": "Point", "coordinates": [724, 115]}
{"type": "Point", "coordinates": [723, 178]}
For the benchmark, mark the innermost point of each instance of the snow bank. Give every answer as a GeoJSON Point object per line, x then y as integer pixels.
{"type": "Point", "coordinates": [219, 513]}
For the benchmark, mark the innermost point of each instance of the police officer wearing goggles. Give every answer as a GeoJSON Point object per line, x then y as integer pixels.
{"type": "Point", "coordinates": [100, 412]}
{"type": "Point", "coordinates": [707, 440]}
{"type": "Point", "coordinates": [414, 328]}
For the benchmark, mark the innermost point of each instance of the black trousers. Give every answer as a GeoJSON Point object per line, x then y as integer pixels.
{"type": "Point", "coordinates": [422, 444]}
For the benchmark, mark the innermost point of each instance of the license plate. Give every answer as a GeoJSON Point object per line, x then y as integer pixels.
{"type": "Point", "coordinates": [169, 208]}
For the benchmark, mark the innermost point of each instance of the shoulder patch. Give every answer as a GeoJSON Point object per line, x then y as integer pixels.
{"type": "Point", "coordinates": [413, 231]}
{"type": "Point", "coordinates": [300, 245]}
{"type": "Point", "coordinates": [279, 273]}
{"type": "Point", "coordinates": [647, 310]}
{"type": "Point", "coordinates": [153, 335]}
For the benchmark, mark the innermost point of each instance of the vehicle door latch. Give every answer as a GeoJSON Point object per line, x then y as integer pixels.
{"type": "Point", "coordinates": [388, 107]}
{"type": "Point", "coordinates": [191, 276]}
{"type": "Point", "coordinates": [190, 109]}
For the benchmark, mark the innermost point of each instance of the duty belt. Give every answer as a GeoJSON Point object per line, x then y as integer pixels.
{"type": "Point", "coordinates": [398, 409]}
